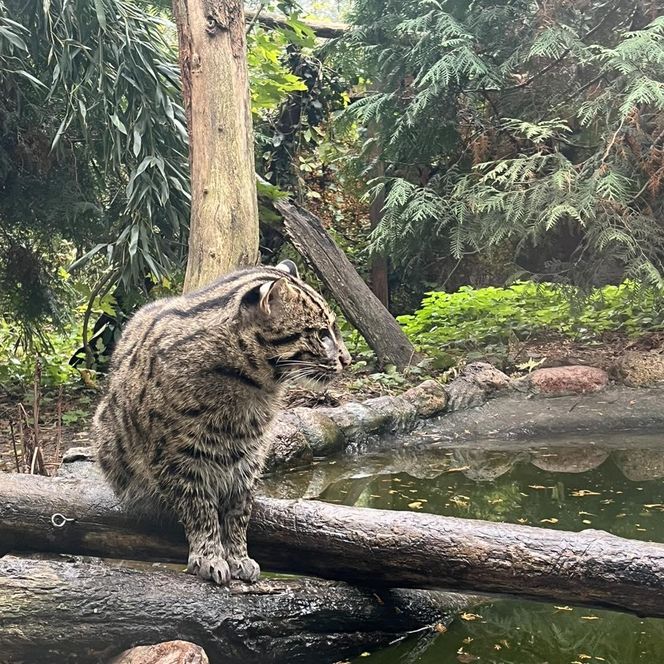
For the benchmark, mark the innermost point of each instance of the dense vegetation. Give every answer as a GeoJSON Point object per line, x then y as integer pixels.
{"type": "Point", "coordinates": [510, 140]}
{"type": "Point", "coordinates": [530, 133]}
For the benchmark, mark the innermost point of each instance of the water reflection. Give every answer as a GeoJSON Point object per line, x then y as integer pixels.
{"type": "Point", "coordinates": [613, 484]}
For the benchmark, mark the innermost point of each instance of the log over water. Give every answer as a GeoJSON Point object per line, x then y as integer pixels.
{"type": "Point", "coordinates": [62, 611]}
{"type": "Point", "coordinates": [372, 547]}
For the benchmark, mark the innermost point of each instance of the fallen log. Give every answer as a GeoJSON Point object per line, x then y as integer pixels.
{"type": "Point", "coordinates": [374, 547]}
{"type": "Point", "coordinates": [59, 610]}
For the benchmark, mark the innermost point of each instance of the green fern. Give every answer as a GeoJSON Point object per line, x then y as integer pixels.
{"type": "Point", "coordinates": [515, 122]}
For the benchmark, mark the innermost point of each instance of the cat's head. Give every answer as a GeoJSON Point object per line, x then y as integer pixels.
{"type": "Point", "coordinates": [295, 328]}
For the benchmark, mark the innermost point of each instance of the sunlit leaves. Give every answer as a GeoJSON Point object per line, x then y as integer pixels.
{"type": "Point", "coordinates": [270, 79]}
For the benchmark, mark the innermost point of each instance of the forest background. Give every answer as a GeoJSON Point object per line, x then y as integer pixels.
{"type": "Point", "coordinates": [494, 170]}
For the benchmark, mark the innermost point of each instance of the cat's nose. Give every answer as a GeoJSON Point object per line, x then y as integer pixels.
{"type": "Point", "coordinates": [344, 357]}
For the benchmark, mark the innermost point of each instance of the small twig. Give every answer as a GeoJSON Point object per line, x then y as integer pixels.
{"type": "Point", "coordinates": [58, 426]}
{"type": "Point", "coordinates": [23, 417]}
{"type": "Point", "coordinates": [13, 435]}
{"type": "Point", "coordinates": [254, 18]}
{"type": "Point", "coordinates": [612, 141]}
{"type": "Point", "coordinates": [38, 462]}
{"type": "Point", "coordinates": [36, 400]}
{"type": "Point", "coordinates": [34, 461]}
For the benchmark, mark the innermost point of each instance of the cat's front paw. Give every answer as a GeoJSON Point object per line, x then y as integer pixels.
{"type": "Point", "coordinates": [245, 569]}
{"type": "Point", "coordinates": [212, 568]}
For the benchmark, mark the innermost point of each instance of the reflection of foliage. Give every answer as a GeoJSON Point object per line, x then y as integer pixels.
{"type": "Point", "coordinates": [532, 633]}
{"type": "Point", "coordinates": [601, 498]}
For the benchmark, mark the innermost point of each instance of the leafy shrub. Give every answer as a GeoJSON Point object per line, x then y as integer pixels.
{"type": "Point", "coordinates": [53, 349]}
{"type": "Point", "coordinates": [471, 318]}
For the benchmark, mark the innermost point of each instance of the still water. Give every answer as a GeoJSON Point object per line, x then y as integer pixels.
{"type": "Point", "coordinates": [611, 483]}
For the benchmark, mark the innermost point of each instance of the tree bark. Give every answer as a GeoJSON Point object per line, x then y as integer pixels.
{"type": "Point", "coordinates": [362, 308]}
{"type": "Point", "coordinates": [372, 547]}
{"type": "Point", "coordinates": [215, 82]}
{"type": "Point", "coordinates": [379, 267]}
{"type": "Point", "coordinates": [63, 610]}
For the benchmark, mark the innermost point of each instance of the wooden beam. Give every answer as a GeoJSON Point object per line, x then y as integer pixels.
{"type": "Point", "coordinates": [360, 306]}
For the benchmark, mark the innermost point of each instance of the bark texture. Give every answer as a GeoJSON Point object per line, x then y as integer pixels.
{"type": "Point", "coordinates": [362, 308]}
{"type": "Point", "coordinates": [379, 266]}
{"type": "Point", "coordinates": [62, 611]}
{"type": "Point", "coordinates": [372, 547]}
{"type": "Point", "coordinates": [215, 82]}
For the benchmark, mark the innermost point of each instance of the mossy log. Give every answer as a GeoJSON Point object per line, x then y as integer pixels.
{"type": "Point", "coordinates": [68, 610]}
{"type": "Point", "coordinates": [372, 547]}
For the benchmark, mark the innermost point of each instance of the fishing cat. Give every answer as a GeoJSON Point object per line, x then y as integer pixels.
{"type": "Point", "coordinates": [195, 381]}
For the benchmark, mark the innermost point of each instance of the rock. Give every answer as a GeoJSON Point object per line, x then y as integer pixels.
{"type": "Point", "coordinates": [485, 465]}
{"type": "Point", "coordinates": [168, 652]}
{"type": "Point", "coordinates": [641, 368]}
{"type": "Point", "coordinates": [429, 398]}
{"type": "Point", "coordinates": [86, 453]}
{"type": "Point", "coordinates": [640, 465]}
{"type": "Point", "coordinates": [563, 381]}
{"type": "Point", "coordinates": [391, 413]}
{"type": "Point", "coordinates": [569, 459]}
{"type": "Point", "coordinates": [476, 383]}
{"type": "Point", "coordinates": [323, 434]}
{"type": "Point", "coordinates": [289, 445]}
{"type": "Point", "coordinates": [353, 419]}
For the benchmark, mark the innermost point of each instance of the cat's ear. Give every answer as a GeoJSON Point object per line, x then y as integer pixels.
{"type": "Point", "coordinates": [289, 267]}
{"type": "Point", "coordinates": [272, 292]}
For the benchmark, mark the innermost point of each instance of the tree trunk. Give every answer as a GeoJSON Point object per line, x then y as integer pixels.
{"type": "Point", "coordinates": [63, 610]}
{"type": "Point", "coordinates": [362, 308]}
{"type": "Point", "coordinates": [215, 83]}
{"type": "Point", "coordinates": [372, 547]}
{"type": "Point", "coordinates": [379, 271]}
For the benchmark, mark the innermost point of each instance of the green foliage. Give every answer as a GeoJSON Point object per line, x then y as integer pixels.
{"type": "Point", "coordinates": [93, 152]}
{"type": "Point", "coordinates": [271, 81]}
{"type": "Point", "coordinates": [52, 350]}
{"type": "Point", "coordinates": [474, 318]}
{"type": "Point", "coordinates": [536, 125]}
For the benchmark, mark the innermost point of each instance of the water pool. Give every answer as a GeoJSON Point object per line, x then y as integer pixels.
{"type": "Point", "coordinates": [613, 483]}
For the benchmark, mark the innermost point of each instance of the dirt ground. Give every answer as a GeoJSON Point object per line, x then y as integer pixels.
{"type": "Point", "coordinates": [64, 418]}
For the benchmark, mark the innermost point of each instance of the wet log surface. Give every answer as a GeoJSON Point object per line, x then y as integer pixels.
{"type": "Point", "coordinates": [372, 547]}
{"type": "Point", "coordinates": [59, 610]}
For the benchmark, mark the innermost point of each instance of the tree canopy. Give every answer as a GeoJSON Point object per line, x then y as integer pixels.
{"type": "Point", "coordinates": [532, 125]}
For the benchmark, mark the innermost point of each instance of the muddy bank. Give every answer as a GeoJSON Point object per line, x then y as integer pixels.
{"type": "Point", "coordinates": [517, 416]}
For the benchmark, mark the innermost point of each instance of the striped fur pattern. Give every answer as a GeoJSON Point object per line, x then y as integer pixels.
{"type": "Point", "coordinates": [195, 381]}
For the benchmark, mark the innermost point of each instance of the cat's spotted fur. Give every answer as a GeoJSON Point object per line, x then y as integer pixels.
{"type": "Point", "coordinates": [195, 381]}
